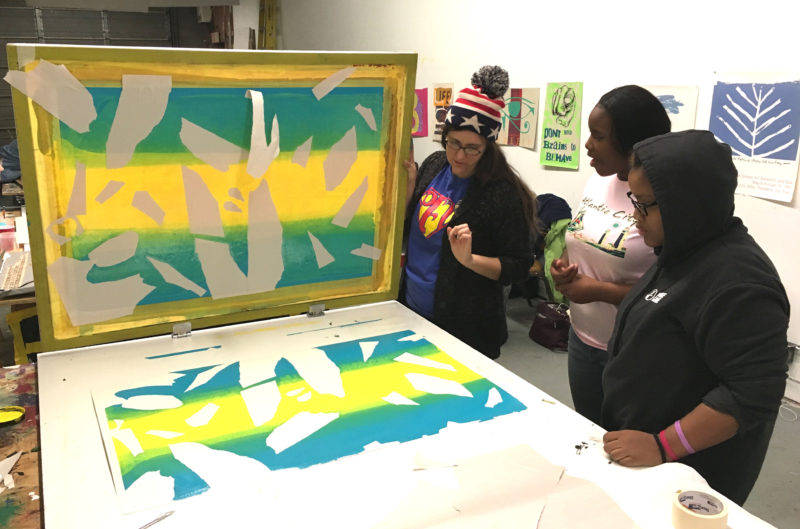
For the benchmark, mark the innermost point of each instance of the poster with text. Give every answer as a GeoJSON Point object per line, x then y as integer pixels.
{"type": "Point", "coordinates": [520, 117]}
{"type": "Point", "coordinates": [759, 117]}
{"type": "Point", "coordinates": [680, 102]}
{"type": "Point", "coordinates": [561, 125]}
{"type": "Point", "coordinates": [442, 99]}
{"type": "Point", "coordinates": [419, 118]}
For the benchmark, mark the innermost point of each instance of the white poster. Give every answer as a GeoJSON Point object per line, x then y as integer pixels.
{"type": "Point", "coordinates": [759, 117]}
{"type": "Point", "coordinates": [680, 102]}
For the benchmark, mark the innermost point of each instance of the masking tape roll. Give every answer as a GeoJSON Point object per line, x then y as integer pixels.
{"type": "Point", "coordinates": [698, 510]}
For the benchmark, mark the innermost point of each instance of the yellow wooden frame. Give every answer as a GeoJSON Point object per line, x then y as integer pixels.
{"type": "Point", "coordinates": [395, 72]}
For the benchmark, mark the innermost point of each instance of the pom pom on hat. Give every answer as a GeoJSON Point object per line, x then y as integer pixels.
{"type": "Point", "coordinates": [480, 108]}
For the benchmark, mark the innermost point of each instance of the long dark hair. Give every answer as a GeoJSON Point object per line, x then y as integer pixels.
{"type": "Point", "coordinates": [636, 114]}
{"type": "Point", "coordinates": [493, 165]}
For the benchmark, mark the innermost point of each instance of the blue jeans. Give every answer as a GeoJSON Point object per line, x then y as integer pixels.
{"type": "Point", "coordinates": [585, 366]}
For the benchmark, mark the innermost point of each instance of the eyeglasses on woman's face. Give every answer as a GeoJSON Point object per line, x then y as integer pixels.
{"type": "Point", "coordinates": [470, 150]}
{"type": "Point", "coordinates": [641, 207]}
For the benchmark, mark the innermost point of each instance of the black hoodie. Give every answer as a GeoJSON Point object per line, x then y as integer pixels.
{"type": "Point", "coordinates": [707, 323]}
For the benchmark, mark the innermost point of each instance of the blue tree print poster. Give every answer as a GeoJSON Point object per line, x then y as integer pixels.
{"type": "Point", "coordinates": [761, 123]}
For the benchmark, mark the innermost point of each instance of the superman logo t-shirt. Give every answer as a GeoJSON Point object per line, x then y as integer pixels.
{"type": "Point", "coordinates": [432, 215]}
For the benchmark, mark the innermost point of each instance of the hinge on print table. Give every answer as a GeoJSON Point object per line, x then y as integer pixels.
{"type": "Point", "coordinates": [182, 330]}
{"type": "Point", "coordinates": [317, 309]}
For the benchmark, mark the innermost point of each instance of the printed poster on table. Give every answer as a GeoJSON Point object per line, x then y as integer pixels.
{"type": "Point", "coordinates": [442, 99]}
{"type": "Point", "coordinates": [520, 118]}
{"type": "Point", "coordinates": [680, 102]}
{"type": "Point", "coordinates": [561, 125]}
{"type": "Point", "coordinates": [759, 117]}
{"type": "Point", "coordinates": [419, 118]}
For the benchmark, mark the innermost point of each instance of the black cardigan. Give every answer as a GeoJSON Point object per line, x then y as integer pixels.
{"type": "Point", "coordinates": [468, 305]}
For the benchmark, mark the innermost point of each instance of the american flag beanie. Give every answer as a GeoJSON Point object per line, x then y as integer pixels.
{"type": "Point", "coordinates": [480, 108]}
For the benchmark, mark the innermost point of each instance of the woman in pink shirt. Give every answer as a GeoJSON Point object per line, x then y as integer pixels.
{"type": "Point", "coordinates": [605, 254]}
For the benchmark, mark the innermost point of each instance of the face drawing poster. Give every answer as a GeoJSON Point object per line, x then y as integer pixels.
{"type": "Point", "coordinates": [520, 117]}
{"type": "Point", "coordinates": [288, 409]}
{"type": "Point", "coordinates": [561, 125]}
{"type": "Point", "coordinates": [442, 99]}
{"type": "Point", "coordinates": [680, 102]}
{"type": "Point", "coordinates": [419, 118]}
{"type": "Point", "coordinates": [760, 120]}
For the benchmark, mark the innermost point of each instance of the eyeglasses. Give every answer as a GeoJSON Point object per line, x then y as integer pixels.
{"type": "Point", "coordinates": [641, 207]}
{"type": "Point", "coordinates": [469, 150]}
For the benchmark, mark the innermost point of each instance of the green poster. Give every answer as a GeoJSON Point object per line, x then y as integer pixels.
{"type": "Point", "coordinates": [561, 126]}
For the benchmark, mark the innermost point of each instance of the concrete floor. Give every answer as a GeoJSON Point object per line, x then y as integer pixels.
{"type": "Point", "coordinates": [776, 495]}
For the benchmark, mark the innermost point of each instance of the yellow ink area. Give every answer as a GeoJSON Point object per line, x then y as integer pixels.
{"type": "Point", "coordinates": [11, 414]}
{"type": "Point", "coordinates": [365, 386]}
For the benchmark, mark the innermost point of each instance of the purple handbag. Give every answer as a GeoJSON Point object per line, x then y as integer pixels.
{"type": "Point", "coordinates": [550, 326]}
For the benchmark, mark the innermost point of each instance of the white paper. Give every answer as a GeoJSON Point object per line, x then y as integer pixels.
{"type": "Point", "coordinates": [173, 277]}
{"type": "Point", "coordinates": [261, 154]}
{"type": "Point", "coordinates": [325, 86]}
{"type": "Point", "coordinates": [436, 385]}
{"type": "Point", "coordinates": [203, 416]}
{"type": "Point", "coordinates": [368, 116]}
{"type": "Point", "coordinates": [302, 153]}
{"type": "Point", "coordinates": [56, 90]}
{"type": "Point", "coordinates": [217, 152]}
{"type": "Point", "coordinates": [340, 159]}
{"type": "Point", "coordinates": [298, 428]}
{"type": "Point", "coordinates": [262, 402]}
{"type": "Point", "coordinates": [370, 252]}
{"type": "Point", "coordinates": [409, 358]}
{"type": "Point", "coordinates": [322, 255]}
{"type": "Point", "coordinates": [141, 107]}
{"type": "Point", "coordinates": [350, 206]}
{"type": "Point", "coordinates": [115, 250]}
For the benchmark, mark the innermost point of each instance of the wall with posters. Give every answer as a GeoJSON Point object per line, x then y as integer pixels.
{"type": "Point", "coordinates": [602, 44]}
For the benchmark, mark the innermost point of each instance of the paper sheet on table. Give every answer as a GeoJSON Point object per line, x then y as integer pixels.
{"type": "Point", "coordinates": [577, 503]}
{"type": "Point", "coordinates": [498, 489]}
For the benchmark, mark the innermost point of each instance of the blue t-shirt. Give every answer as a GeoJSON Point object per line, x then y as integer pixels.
{"type": "Point", "coordinates": [432, 215]}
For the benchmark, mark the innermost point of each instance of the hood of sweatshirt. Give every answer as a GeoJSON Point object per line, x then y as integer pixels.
{"type": "Point", "coordinates": [693, 179]}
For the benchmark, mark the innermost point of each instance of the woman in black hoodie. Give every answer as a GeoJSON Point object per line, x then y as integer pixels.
{"type": "Point", "coordinates": [697, 360]}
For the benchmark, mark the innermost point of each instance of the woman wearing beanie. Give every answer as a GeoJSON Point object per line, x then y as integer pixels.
{"type": "Point", "coordinates": [468, 222]}
{"type": "Point", "coordinates": [605, 253]}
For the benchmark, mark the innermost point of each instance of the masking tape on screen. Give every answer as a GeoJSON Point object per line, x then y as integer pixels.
{"type": "Point", "coordinates": [698, 510]}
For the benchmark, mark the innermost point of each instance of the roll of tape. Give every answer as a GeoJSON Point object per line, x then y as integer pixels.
{"type": "Point", "coordinates": [698, 510]}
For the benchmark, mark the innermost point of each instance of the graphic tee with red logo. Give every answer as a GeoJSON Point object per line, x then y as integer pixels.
{"type": "Point", "coordinates": [432, 215]}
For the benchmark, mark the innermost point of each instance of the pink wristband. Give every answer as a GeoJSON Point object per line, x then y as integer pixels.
{"type": "Point", "coordinates": [684, 440]}
{"type": "Point", "coordinates": [668, 449]}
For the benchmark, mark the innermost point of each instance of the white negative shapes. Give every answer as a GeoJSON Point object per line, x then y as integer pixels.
{"type": "Point", "coordinates": [75, 207]}
{"type": "Point", "coordinates": [326, 85]}
{"type": "Point", "coordinates": [368, 116]}
{"type": "Point", "coordinates": [262, 402]}
{"type": "Point", "coordinates": [367, 348]}
{"type": "Point", "coordinates": [173, 277]}
{"type": "Point", "coordinates": [750, 114]}
{"type": "Point", "coordinates": [340, 159]}
{"type": "Point", "coordinates": [203, 416]}
{"type": "Point", "coordinates": [201, 206]}
{"type": "Point", "coordinates": [409, 358]}
{"type": "Point", "coordinates": [147, 205]}
{"type": "Point", "coordinates": [322, 255]}
{"type": "Point", "coordinates": [350, 206]}
{"type": "Point", "coordinates": [261, 154]}
{"type": "Point", "coordinates": [109, 191]}
{"type": "Point", "coordinates": [302, 153]}
{"type": "Point", "coordinates": [436, 385]}
{"type": "Point", "coordinates": [399, 400]}
{"type": "Point", "coordinates": [217, 152]}
{"type": "Point", "coordinates": [494, 398]}
{"type": "Point", "coordinates": [115, 250]}
{"type": "Point", "coordinates": [317, 370]}
{"type": "Point", "coordinates": [141, 107]}
{"type": "Point", "coordinates": [298, 428]}
{"type": "Point", "coordinates": [367, 251]}
{"type": "Point", "coordinates": [55, 89]}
